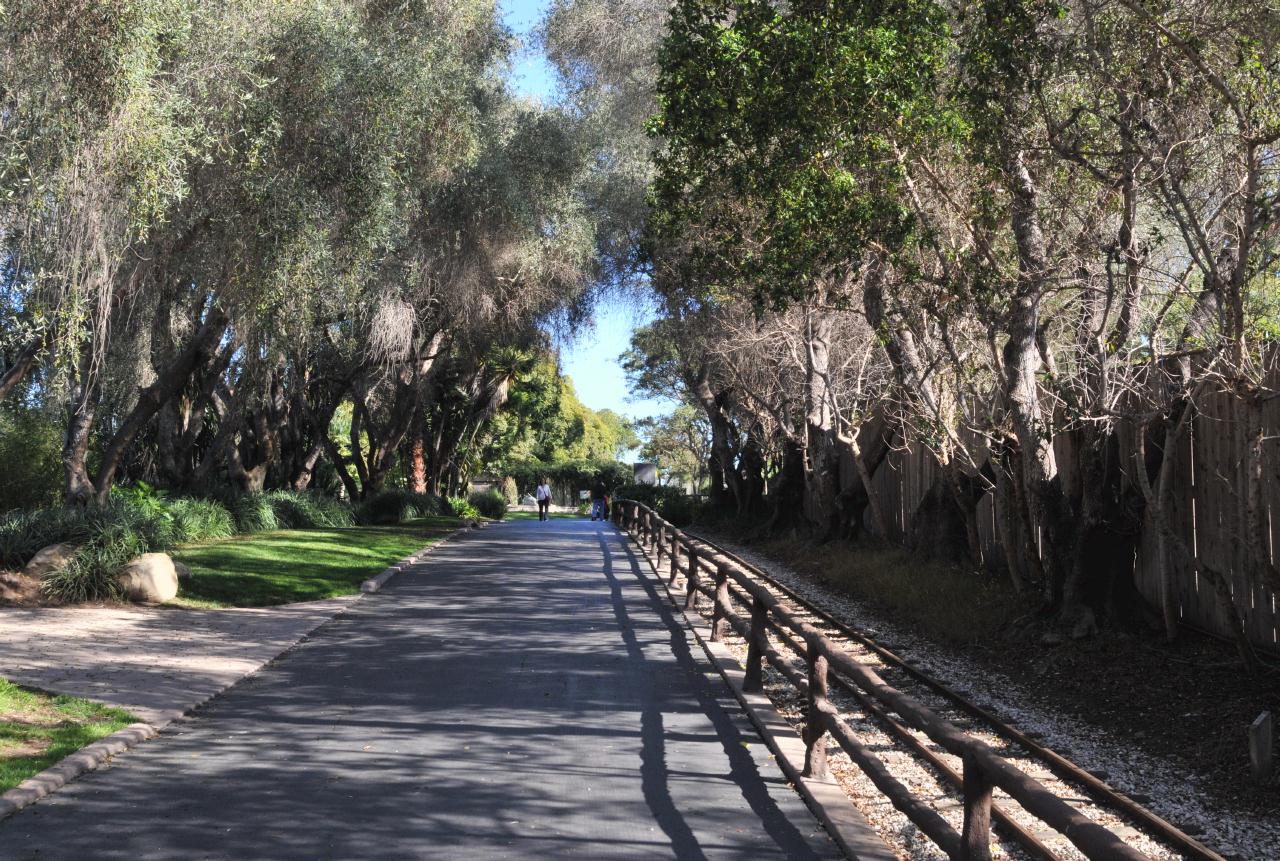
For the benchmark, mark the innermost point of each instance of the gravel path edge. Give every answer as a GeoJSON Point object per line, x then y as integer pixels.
{"type": "Point", "coordinates": [846, 825]}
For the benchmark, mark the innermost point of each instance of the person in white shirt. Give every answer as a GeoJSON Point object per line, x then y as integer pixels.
{"type": "Point", "coordinates": [543, 496]}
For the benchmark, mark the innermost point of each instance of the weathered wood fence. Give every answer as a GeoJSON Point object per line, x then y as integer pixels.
{"type": "Point", "coordinates": [710, 573]}
{"type": "Point", "coordinates": [1208, 479]}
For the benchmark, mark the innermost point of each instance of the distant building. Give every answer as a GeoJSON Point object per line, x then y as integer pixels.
{"type": "Point", "coordinates": [646, 473]}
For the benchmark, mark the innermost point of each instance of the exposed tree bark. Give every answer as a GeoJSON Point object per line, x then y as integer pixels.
{"type": "Point", "coordinates": [78, 488]}
{"type": "Point", "coordinates": [169, 381]}
{"type": "Point", "coordinates": [22, 365]}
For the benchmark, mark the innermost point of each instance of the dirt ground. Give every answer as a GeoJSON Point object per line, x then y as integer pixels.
{"type": "Point", "coordinates": [1188, 701]}
{"type": "Point", "coordinates": [19, 590]}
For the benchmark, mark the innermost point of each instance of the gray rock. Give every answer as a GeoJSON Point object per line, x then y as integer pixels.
{"type": "Point", "coordinates": [184, 573]}
{"type": "Point", "coordinates": [52, 558]}
{"type": "Point", "coordinates": [150, 579]}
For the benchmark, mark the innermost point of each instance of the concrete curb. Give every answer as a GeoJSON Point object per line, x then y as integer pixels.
{"type": "Point", "coordinates": [69, 768]}
{"type": "Point", "coordinates": [92, 756]}
{"type": "Point", "coordinates": [375, 583]}
{"type": "Point", "coordinates": [845, 823]}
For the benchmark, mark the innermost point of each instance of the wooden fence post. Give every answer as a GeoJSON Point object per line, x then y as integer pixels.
{"type": "Point", "coordinates": [674, 555]}
{"type": "Point", "coordinates": [976, 839]}
{"type": "Point", "coordinates": [1260, 756]}
{"type": "Point", "coordinates": [815, 725]}
{"type": "Point", "coordinates": [753, 680]}
{"type": "Point", "coordinates": [692, 582]}
{"type": "Point", "coordinates": [718, 621]}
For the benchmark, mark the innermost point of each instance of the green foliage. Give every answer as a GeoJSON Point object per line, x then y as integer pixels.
{"type": "Point", "coordinates": [679, 444]}
{"type": "Point", "coordinates": [460, 507]}
{"type": "Point", "coordinates": [25, 533]}
{"type": "Point", "coordinates": [30, 460]}
{"type": "Point", "coordinates": [489, 503]}
{"type": "Point", "coordinates": [307, 510]}
{"type": "Point", "coordinates": [142, 498]}
{"type": "Point", "coordinates": [254, 513]}
{"type": "Point", "coordinates": [780, 126]}
{"type": "Point", "coordinates": [671, 503]}
{"type": "Point", "coordinates": [115, 535]}
{"type": "Point", "coordinates": [200, 520]}
{"type": "Point", "coordinates": [397, 506]}
{"type": "Point", "coordinates": [543, 420]}
{"type": "Point", "coordinates": [573, 475]}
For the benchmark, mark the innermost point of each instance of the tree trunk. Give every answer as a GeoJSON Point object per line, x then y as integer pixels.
{"type": "Point", "coordinates": [1022, 363]}
{"type": "Point", "coordinates": [78, 487]}
{"type": "Point", "coordinates": [168, 383]}
{"type": "Point", "coordinates": [822, 473]}
{"type": "Point", "coordinates": [22, 365]}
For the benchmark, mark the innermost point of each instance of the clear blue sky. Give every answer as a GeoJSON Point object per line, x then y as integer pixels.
{"type": "Point", "coordinates": [591, 359]}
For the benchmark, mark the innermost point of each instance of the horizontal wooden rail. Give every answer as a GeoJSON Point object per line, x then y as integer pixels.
{"type": "Point", "coordinates": [983, 768]}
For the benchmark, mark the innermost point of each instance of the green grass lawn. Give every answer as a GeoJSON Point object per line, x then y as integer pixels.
{"type": "Point", "coordinates": [38, 729]}
{"type": "Point", "coordinates": [299, 564]}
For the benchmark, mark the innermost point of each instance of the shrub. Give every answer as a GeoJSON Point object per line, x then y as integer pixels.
{"type": "Point", "coordinates": [200, 520]}
{"type": "Point", "coordinates": [396, 506]}
{"type": "Point", "coordinates": [671, 503]}
{"type": "Point", "coordinates": [331, 513]}
{"type": "Point", "coordinates": [300, 509]}
{"type": "Point", "coordinates": [113, 542]}
{"type": "Point", "coordinates": [112, 536]}
{"type": "Point", "coordinates": [510, 492]}
{"type": "Point", "coordinates": [490, 504]}
{"type": "Point", "coordinates": [293, 510]}
{"type": "Point", "coordinates": [253, 513]}
{"type": "Point", "coordinates": [25, 533]}
{"type": "Point", "coordinates": [460, 507]}
{"type": "Point", "coordinates": [30, 460]}
{"type": "Point", "coordinates": [141, 497]}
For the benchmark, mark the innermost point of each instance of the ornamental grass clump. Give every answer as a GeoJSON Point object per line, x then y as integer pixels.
{"type": "Point", "coordinates": [397, 506]}
{"type": "Point", "coordinates": [24, 533]}
{"type": "Point", "coordinates": [116, 534]}
{"type": "Point", "coordinates": [254, 513]}
{"type": "Point", "coordinates": [300, 509]}
{"type": "Point", "coordinates": [200, 520]}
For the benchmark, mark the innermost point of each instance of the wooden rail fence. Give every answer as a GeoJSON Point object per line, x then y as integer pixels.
{"type": "Point", "coordinates": [710, 573]}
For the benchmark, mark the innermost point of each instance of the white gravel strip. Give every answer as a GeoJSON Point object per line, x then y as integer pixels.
{"type": "Point", "coordinates": [1170, 790]}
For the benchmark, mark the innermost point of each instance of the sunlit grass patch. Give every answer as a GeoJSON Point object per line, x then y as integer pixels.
{"type": "Point", "coordinates": [299, 564]}
{"type": "Point", "coordinates": [39, 729]}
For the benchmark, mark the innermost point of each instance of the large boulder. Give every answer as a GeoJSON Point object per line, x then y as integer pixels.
{"type": "Point", "coordinates": [55, 557]}
{"type": "Point", "coordinates": [150, 579]}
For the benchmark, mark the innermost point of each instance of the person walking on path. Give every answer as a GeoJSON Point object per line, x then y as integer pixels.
{"type": "Point", "coordinates": [598, 494]}
{"type": "Point", "coordinates": [543, 495]}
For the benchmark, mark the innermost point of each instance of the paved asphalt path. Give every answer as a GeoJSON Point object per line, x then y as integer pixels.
{"type": "Point", "coordinates": [523, 693]}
